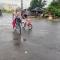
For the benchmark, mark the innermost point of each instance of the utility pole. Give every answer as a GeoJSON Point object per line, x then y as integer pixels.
{"type": "Point", "coordinates": [22, 4]}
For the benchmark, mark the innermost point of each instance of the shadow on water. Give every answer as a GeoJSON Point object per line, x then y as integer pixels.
{"type": "Point", "coordinates": [16, 39]}
{"type": "Point", "coordinates": [27, 33]}
{"type": "Point", "coordinates": [17, 42]}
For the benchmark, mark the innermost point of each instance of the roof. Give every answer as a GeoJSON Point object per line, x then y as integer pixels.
{"type": "Point", "coordinates": [38, 9]}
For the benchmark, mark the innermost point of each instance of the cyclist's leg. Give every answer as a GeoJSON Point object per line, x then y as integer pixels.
{"type": "Point", "coordinates": [25, 24]}
{"type": "Point", "coordinates": [19, 25]}
{"type": "Point", "coordinates": [16, 24]}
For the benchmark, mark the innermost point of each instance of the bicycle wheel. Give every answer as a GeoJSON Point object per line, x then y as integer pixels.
{"type": "Point", "coordinates": [29, 26]}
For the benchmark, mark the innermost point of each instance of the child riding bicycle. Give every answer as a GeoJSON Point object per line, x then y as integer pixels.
{"type": "Point", "coordinates": [28, 22]}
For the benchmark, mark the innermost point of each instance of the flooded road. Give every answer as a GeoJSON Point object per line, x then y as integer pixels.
{"type": "Point", "coordinates": [40, 43]}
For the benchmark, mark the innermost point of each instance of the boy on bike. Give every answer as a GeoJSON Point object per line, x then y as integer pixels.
{"type": "Point", "coordinates": [28, 22]}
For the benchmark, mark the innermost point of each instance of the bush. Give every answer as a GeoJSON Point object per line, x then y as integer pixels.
{"type": "Point", "coordinates": [6, 11]}
{"type": "Point", "coordinates": [54, 8]}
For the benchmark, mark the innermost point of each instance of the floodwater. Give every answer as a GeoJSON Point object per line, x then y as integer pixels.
{"type": "Point", "coordinates": [40, 43]}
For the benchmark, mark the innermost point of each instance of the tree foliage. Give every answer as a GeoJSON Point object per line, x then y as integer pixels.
{"type": "Point", "coordinates": [36, 3]}
{"type": "Point", "coordinates": [58, 1]}
{"type": "Point", "coordinates": [54, 8]}
{"type": "Point", "coordinates": [33, 4]}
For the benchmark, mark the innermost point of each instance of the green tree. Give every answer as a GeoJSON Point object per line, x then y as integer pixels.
{"type": "Point", "coordinates": [36, 3]}
{"type": "Point", "coordinates": [40, 3]}
{"type": "Point", "coordinates": [58, 1]}
{"type": "Point", "coordinates": [54, 8]}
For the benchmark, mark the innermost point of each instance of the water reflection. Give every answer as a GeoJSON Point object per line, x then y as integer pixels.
{"type": "Point", "coordinates": [27, 34]}
{"type": "Point", "coordinates": [55, 21]}
{"type": "Point", "coordinates": [16, 39]}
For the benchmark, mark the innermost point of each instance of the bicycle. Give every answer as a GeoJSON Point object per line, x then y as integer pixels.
{"type": "Point", "coordinates": [25, 25]}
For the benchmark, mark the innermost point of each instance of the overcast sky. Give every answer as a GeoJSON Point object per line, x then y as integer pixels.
{"type": "Point", "coordinates": [25, 2]}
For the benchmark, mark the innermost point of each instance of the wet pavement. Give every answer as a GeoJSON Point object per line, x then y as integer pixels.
{"type": "Point", "coordinates": [40, 43]}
